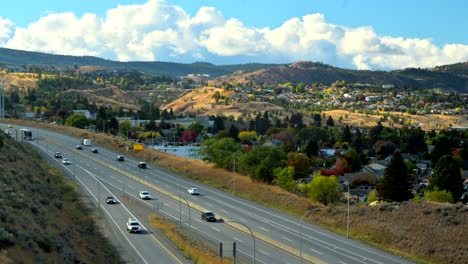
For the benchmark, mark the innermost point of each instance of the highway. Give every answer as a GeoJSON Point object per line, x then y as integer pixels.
{"type": "Point", "coordinates": [277, 234]}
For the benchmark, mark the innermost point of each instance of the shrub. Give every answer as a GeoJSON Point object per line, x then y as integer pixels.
{"type": "Point", "coordinates": [372, 197]}
{"type": "Point", "coordinates": [439, 196]}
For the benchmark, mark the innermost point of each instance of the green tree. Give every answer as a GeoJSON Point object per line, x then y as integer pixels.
{"type": "Point", "coordinates": [440, 196]}
{"type": "Point", "coordinates": [77, 120]}
{"type": "Point", "coordinates": [220, 151]}
{"type": "Point", "coordinates": [197, 127]}
{"type": "Point", "coordinates": [447, 177]}
{"type": "Point", "coordinates": [323, 189]}
{"type": "Point", "coordinates": [300, 163]}
{"type": "Point", "coordinates": [248, 136]}
{"type": "Point", "coordinates": [284, 177]}
{"type": "Point", "coordinates": [260, 162]}
{"type": "Point", "coordinates": [395, 184]}
{"type": "Point", "coordinates": [125, 128]}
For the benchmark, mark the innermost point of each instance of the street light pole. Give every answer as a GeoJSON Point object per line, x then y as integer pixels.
{"type": "Point", "coordinates": [300, 234]}
{"type": "Point", "coordinates": [347, 220]}
{"type": "Point", "coordinates": [253, 236]}
{"type": "Point", "coordinates": [234, 176]}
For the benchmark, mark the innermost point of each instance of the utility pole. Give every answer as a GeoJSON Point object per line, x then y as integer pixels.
{"type": "Point", "coordinates": [2, 102]}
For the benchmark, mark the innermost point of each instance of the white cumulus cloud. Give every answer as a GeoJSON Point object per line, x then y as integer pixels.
{"type": "Point", "coordinates": [158, 30]}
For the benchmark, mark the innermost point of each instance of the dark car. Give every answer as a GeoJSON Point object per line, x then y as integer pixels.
{"type": "Point", "coordinates": [110, 200]}
{"type": "Point", "coordinates": [58, 155]}
{"type": "Point", "coordinates": [120, 158]}
{"type": "Point", "coordinates": [79, 147]}
{"type": "Point", "coordinates": [94, 150]}
{"type": "Point", "coordinates": [208, 216]}
{"type": "Point", "coordinates": [142, 165]}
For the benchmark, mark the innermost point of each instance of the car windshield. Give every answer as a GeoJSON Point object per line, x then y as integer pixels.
{"type": "Point", "coordinates": [110, 197]}
{"type": "Point", "coordinates": [65, 159]}
{"type": "Point", "coordinates": [144, 193]}
{"type": "Point", "coordinates": [209, 214]}
{"type": "Point", "coordinates": [134, 223]}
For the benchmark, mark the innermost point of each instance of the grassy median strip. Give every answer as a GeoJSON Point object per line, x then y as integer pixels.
{"type": "Point", "coordinates": [198, 252]}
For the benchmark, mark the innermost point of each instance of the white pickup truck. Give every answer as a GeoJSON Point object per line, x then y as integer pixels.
{"type": "Point", "coordinates": [133, 226]}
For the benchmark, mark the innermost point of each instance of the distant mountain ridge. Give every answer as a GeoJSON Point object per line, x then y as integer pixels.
{"type": "Point", "coordinates": [452, 77]}
{"type": "Point", "coordinates": [20, 57]}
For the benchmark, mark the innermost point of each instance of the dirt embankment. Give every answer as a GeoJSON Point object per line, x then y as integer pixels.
{"type": "Point", "coordinates": [42, 219]}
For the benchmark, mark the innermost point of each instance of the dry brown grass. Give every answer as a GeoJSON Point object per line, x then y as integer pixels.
{"type": "Point", "coordinates": [198, 252]}
{"type": "Point", "coordinates": [201, 101]}
{"type": "Point", "coordinates": [428, 233]}
{"type": "Point", "coordinates": [427, 122]}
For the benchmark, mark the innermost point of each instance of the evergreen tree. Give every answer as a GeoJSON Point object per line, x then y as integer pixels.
{"type": "Point", "coordinates": [234, 132]}
{"type": "Point", "coordinates": [395, 184]}
{"type": "Point", "coordinates": [312, 148]}
{"type": "Point", "coordinates": [346, 135]}
{"type": "Point", "coordinates": [441, 148]}
{"type": "Point", "coordinates": [330, 121]}
{"type": "Point", "coordinates": [317, 120]}
{"type": "Point", "coordinates": [447, 177]}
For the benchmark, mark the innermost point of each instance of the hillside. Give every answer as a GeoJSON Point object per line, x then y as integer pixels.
{"type": "Point", "coordinates": [42, 217]}
{"type": "Point", "coordinates": [19, 57]}
{"type": "Point", "coordinates": [202, 102]}
{"type": "Point", "coordinates": [311, 72]}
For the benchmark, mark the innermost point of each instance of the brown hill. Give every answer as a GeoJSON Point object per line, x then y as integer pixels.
{"type": "Point", "coordinates": [203, 101]}
{"type": "Point", "coordinates": [449, 77]}
{"type": "Point", "coordinates": [20, 81]}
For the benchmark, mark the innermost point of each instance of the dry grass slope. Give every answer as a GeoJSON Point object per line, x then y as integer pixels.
{"type": "Point", "coordinates": [42, 218]}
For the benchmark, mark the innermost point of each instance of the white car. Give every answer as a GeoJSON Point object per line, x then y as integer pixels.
{"type": "Point", "coordinates": [193, 191]}
{"type": "Point", "coordinates": [133, 226]}
{"type": "Point", "coordinates": [144, 195]}
{"type": "Point", "coordinates": [66, 161]}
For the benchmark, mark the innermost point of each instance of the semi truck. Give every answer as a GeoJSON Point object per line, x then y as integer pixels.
{"type": "Point", "coordinates": [27, 134]}
{"type": "Point", "coordinates": [86, 142]}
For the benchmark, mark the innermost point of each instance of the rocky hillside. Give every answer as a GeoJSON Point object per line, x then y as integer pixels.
{"type": "Point", "coordinates": [42, 219]}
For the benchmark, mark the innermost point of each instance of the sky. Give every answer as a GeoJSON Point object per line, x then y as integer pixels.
{"type": "Point", "coordinates": [355, 34]}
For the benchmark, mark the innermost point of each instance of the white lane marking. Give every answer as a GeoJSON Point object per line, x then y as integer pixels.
{"type": "Point", "coordinates": [120, 181]}
{"type": "Point", "coordinates": [285, 238]}
{"type": "Point", "coordinates": [268, 254]}
{"type": "Point", "coordinates": [112, 177]}
{"type": "Point", "coordinates": [235, 238]}
{"type": "Point", "coordinates": [313, 250]}
{"type": "Point", "coordinates": [264, 229]}
{"type": "Point", "coordinates": [250, 256]}
{"type": "Point", "coordinates": [216, 229]}
{"type": "Point", "coordinates": [198, 220]}
{"type": "Point", "coordinates": [224, 211]}
{"type": "Point", "coordinates": [342, 262]}
{"type": "Point", "coordinates": [242, 219]}
{"type": "Point", "coordinates": [113, 220]}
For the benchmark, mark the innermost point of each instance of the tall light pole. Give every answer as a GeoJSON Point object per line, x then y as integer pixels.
{"type": "Point", "coordinates": [347, 214]}
{"type": "Point", "coordinates": [234, 176]}
{"type": "Point", "coordinates": [188, 236]}
{"type": "Point", "coordinates": [300, 233]}
{"type": "Point", "coordinates": [253, 236]}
